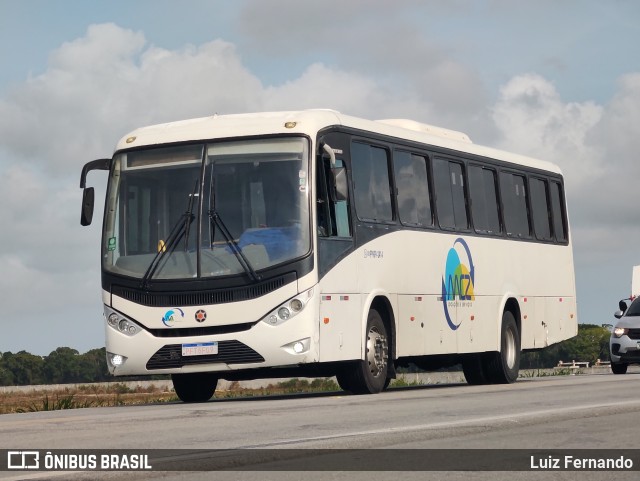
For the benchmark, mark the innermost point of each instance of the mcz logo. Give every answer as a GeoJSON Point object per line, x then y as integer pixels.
{"type": "Point", "coordinates": [458, 279]}
{"type": "Point", "coordinates": [172, 316]}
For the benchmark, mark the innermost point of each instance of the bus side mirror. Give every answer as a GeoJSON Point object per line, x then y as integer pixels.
{"type": "Point", "coordinates": [88, 198]}
{"type": "Point", "coordinates": [88, 195]}
{"type": "Point", "coordinates": [618, 314]}
{"type": "Point", "coordinates": [339, 190]}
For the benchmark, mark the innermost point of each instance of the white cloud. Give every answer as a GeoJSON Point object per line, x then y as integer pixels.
{"type": "Point", "coordinates": [533, 120]}
{"type": "Point", "coordinates": [100, 86]}
{"type": "Point", "coordinates": [596, 146]}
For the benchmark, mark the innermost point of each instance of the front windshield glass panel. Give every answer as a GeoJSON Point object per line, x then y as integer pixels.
{"type": "Point", "coordinates": [150, 195]}
{"type": "Point", "coordinates": [258, 190]}
{"type": "Point", "coordinates": [162, 207]}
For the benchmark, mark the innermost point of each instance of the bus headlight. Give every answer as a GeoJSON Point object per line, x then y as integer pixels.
{"type": "Point", "coordinates": [119, 323]}
{"type": "Point", "coordinates": [289, 309]}
{"type": "Point", "coordinates": [113, 319]}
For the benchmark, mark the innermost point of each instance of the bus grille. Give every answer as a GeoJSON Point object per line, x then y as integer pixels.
{"type": "Point", "coordinates": [229, 352]}
{"type": "Point", "coordinates": [202, 298]}
{"type": "Point", "coordinates": [201, 331]}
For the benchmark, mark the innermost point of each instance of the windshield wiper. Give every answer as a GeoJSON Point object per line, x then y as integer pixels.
{"type": "Point", "coordinates": [216, 221]}
{"type": "Point", "coordinates": [180, 229]}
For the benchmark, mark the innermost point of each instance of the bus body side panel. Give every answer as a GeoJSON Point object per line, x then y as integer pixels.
{"type": "Point", "coordinates": [410, 267]}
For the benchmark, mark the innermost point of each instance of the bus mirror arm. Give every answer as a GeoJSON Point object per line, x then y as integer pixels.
{"type": "Point", "coordinates": [99, 164]}
{"type": "Point", "coordinates": [330, 153]}
{"type": "Point", "coordinates": [88, 193]}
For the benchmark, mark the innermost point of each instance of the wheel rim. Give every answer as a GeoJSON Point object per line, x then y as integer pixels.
{"type": "Point", "coordinates": [377, 350]}
{"type": "Point", "coordinates": [510, 348]}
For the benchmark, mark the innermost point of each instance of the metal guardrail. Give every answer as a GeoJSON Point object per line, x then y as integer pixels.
{"type": "Point", "coordinates": [574, 366]}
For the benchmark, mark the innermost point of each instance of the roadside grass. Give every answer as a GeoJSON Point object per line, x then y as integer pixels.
{"type": "Point", "coordinates": [531, 373]}
{"type": "Point", "coordinates": [83, 396]}
{"type": "Point", "coordinates": [120, 394]}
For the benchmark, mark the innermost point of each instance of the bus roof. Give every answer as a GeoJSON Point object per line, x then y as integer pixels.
{"type": "Point", "coordinates": [310, 122]}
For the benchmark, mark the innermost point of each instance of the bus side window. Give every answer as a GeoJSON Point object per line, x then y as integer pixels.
{"type": "Point", "coordinates": [540, 208]}
{"type": "Point", "coordinates": [450, 195]}
{"type": "Point", "coordinates": [516, 209]}
{"type": "Point", "coordinates": [484, 200]}
{"type": "Point", "coordinates": [414, 202]}
{"type": "Point", "coordinates": [333, 217]}
{"type": "Point", "coordinates": [559, 220]}
{"type": "Point", "coordinates": [372, 190]}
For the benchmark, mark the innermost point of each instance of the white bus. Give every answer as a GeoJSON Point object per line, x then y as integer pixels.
{"type": "Point", "coordinates": [316, 244]}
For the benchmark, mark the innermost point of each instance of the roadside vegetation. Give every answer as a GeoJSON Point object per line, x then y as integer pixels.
{"type": "Point", "coordinates": [91, 389]}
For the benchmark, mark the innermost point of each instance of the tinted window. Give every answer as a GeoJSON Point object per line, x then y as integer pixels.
{"type": "Point", "coordinates": [514, 201]}
{"type": "Point", "coordinates": [484, 200]}
{"type": "Point", "coordinates": [559, 221]}
{"type": "Point", "coordinates": [370, 167]}
{"type": "Point", "coordinates": [414, 206]}
{"type": "Point", "coordinates": [540, 208]}
{"type": "Point", "coordinates": [634, 308]}
{"type": "Point", "coordinates": [450, 198]}
{"type": "Point", "coordinates": [333, 217]}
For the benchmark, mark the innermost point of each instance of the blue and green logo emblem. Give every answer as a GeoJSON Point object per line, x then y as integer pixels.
{"type": "Point", "coordinates": [458, 281]}
{"type": "Point", "coordinates": [171, 316]}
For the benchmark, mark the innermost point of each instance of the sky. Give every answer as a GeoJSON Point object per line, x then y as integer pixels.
{"type": "Point", "coordinates": [553, 79]}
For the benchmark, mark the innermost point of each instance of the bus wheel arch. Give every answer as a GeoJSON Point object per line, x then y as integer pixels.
{"type": "Point", "coordinates": [383, 306]}
{"type": "Point", "coordinates": [372, 373]}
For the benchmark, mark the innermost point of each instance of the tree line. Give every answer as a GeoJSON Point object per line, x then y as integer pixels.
{"type": "Point", "coordinates": [62, 366]}
{"type": "Point", "coordinates": [67, 365]}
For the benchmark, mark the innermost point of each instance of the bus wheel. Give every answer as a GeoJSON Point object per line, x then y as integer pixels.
{"type": "Point", "coordinates": [369, 376]}
{"type": "Point", "coordinates": [194, 387]}
{"type": "Point", "coordinates": [503, 367]}
{"type": "Point", "coordinates": [473, 369]}
{"type": "Point", "coordinates": [619, 367]}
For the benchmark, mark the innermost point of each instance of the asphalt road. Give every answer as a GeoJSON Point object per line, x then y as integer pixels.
{"type": "Point", "coordinates": [598, 412]}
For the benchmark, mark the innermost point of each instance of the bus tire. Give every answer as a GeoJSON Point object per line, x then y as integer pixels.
{"type": "Point", "coordinates": [194, 387]}
{"type": "Point", "coordinates": [473, 369]}
{"type": "Point", "coordinates": [503, 367]}
{"type": "Point", "coordinates": [369, 376]}
{"type": "Point", "coordinates": [619, 367]}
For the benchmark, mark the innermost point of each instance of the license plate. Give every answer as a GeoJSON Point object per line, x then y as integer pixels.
{"type": "Point", "coordinates": [200, 349]}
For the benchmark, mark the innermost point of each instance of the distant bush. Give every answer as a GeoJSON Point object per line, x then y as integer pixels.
{"type": "Point", "coordinates": [591, 344]}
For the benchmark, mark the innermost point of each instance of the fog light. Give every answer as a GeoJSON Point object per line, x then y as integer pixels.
{"type": "Point", "coordinates": [300, 346]}
{"type": "Point", "coordinates": [115, 360]}
{"type": "Point", "coordinates": [273, 320]}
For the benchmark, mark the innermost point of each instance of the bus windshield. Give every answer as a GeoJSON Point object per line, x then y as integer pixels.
{"type": "Point", "coordinates": [207, 210]}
